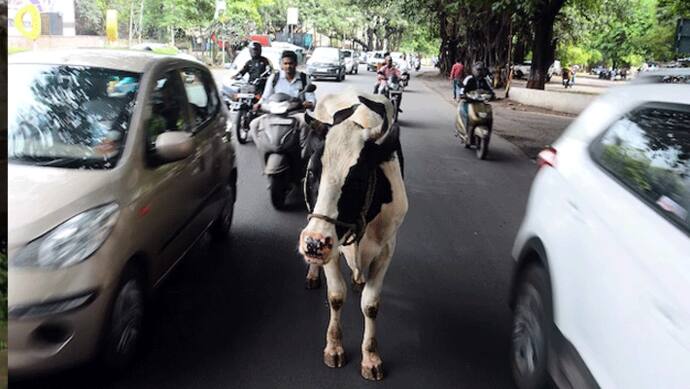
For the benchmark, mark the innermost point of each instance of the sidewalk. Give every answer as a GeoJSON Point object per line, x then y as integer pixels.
{"type": "Point", "coordinates": [529, 128]}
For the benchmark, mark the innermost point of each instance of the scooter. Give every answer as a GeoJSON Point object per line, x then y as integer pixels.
{"type": "Point", "coordinates": [278, 141]}
{"type": "Point", "coordinates": [240, 97]}
{"type": "Point", "coordinates": [393, 91]}
{"type": "Point", "coordinates": [474, 127]}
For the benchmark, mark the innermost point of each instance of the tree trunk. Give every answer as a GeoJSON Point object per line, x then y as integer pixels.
{"type": "Point", "coordinates": [543, 48]}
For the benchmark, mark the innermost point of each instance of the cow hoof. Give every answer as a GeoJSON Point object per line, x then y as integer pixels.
{"type": "Point", "coordinates": [373, 373]}
{"type": "Point", "coordinates": [335, 359]}
{"type": "Point", "coordinates": [313, 283]}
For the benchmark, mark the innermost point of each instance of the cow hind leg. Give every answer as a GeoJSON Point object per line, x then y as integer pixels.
{"type": "Point", "coordinates": [313, 280]}
{"type": "Point", "coordinates": [334, 353]}
{"type": "Point", "coordinates": [372, 365]}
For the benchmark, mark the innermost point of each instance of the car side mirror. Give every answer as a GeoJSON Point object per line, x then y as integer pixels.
{"type": "Point", "coordinates": [173, 146]}
{"type": "Point", "coordinates": [311, 88]}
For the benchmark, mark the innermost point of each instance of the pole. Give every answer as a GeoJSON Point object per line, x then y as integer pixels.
{"type": "Point", "coordinates": [510, 50]}
{"type": "Point", "coordinates": [141, 19]}
{"type": "Point", "coordinates": [131, 20]}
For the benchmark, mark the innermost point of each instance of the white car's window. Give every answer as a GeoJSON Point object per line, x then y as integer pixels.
{"type": "Point", "coordinates": [648, 150]}
{"type": "Point", "coordinates": [200, 95]}
{"type": "Point", "coordinates": [69, 116]}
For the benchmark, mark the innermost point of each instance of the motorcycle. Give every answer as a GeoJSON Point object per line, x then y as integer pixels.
{"type": "Point", "coordinates": [240, 97]}
{"type": "Point", "coordinates": [404, 79]}
{"type": "Point", "coordinates": [278, 141]}
{"type": "Point", "coordinates": [474, 126]}
{"type": "Point", "coordinates": [393, 91]}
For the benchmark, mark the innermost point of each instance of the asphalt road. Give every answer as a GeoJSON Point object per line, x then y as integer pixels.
{"type": "Point", "coordinates": [237, 315]}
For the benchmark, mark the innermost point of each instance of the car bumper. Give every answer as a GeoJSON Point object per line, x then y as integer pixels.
{"type": "Point", "coordinates": [40, 343]}
{"type": "Point", "coordinates": [328, 73]}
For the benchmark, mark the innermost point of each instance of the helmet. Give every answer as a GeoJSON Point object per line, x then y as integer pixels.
{"type": "Point", "coordinates": [255, 49]}
{"type": "Point", "coordinates": [478, 69]}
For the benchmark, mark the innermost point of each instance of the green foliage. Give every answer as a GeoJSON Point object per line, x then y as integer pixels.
{"type": "Point", "coordinates": [625, 32]}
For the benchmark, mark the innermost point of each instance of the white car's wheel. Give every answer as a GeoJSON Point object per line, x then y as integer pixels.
{"type": "Point", "coordinates": [532, 321]}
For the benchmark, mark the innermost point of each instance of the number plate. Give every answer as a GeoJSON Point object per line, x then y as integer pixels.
{"type": "Point", "coordinates": [245, 95]}
{"type": "Point", "coordinates": [322, 70]}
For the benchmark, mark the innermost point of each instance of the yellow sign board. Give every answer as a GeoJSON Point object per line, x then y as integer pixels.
{"type": "Point", "coordinates": [111, 24]}
{"type": "Point", "coordinates": [35, 16]}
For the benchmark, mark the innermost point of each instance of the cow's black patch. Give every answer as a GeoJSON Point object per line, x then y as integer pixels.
{"type": "Point", "coordinates": [354, 191]}
{"type": "Point", "coordinates": [344, 114]}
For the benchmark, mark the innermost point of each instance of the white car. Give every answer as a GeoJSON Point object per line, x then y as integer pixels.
{"type": "Point", "coordinates": [374, 58]}
{"type": "Point", "coordinates": [524, 69]}
{"type": "Point", "coordinates": [351, 62]}
{"type": "Point", "coordinates": [601, 292]}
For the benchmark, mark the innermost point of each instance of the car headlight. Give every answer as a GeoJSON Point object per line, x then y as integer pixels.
{"type": "Point", "coordinates": [71, 242]}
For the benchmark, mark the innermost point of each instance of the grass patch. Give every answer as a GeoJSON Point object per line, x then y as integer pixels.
{"type": "Point", "coordinates": [166, 50]}
{"type": "Point", "coordinates": [14, 50]}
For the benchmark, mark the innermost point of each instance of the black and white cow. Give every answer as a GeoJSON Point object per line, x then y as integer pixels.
{"type": "Point", "coordinates": [360, 204]}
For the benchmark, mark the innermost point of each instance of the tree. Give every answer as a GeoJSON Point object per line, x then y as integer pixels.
{"type": "Point", "coordinates": [88, 17]}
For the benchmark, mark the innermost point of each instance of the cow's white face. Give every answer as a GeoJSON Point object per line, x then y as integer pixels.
{"type": "Point", "coordinates": [347, 159]}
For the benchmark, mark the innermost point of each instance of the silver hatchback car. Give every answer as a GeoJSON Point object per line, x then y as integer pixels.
{"type": "Point", "coordinates": [119, 161]}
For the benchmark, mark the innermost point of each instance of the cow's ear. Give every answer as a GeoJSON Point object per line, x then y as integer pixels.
{"type": "Point", "coordinates": [344, 114]}
{"type": "Point", "coordinates": [379, 108]}
{"type": "Point", "coordinates": [317, 127]}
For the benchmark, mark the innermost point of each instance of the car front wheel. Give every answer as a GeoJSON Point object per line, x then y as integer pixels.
{"type": "Point", "coordinates": [221, 226]}
{"type": "Point", "coordinates": [532, 321]}
{"type": "Point", "coordinates": [125, 323]}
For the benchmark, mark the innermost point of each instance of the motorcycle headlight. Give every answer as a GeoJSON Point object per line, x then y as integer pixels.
{"type": "Point", "coordinates": [71, 242]}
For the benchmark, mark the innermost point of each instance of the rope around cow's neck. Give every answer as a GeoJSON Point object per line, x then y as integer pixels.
{"type": "Point", "coordinates": [355, 231]}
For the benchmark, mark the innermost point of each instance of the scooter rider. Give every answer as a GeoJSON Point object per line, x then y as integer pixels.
{"type": "Point", "coordinates": [256, 66]}
{"type": "Point", "coordinates": [387, 70]}
{"type": "Point", "coordinates": [479, 79]}
{"type": "Point", "coordinates": [291, 82]}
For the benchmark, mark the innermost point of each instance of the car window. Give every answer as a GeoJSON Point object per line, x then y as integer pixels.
{"type": "Point", "coordinates": [648, 150]}
{"type": "Point", "coordinates": [69, 116]}
{"type": "Point", "coordinates": [200, 95]}
{"type": "Point", "coordinates": [167, 108]}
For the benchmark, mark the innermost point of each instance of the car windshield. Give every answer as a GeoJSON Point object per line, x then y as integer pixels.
{"type": "Point", "coordinates": [326, 54]}
{"type": "Point", "coordinates": [347, 54]}
{"type": "Point", "coordinates": [69, 116]}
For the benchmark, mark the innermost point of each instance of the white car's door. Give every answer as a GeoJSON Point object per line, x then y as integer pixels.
{"type": "Point", "coordinates": [629, 311]}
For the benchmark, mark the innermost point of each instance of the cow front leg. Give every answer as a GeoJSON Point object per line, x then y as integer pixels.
{"type": "Point", "coordinates": [334, 353]}
{"type": "Point", "coordinates": [372, 365]}
{"type": "Point", "coordinates": [313, 280]}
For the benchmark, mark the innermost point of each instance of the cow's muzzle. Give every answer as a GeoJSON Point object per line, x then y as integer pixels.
{"type": "Point", "coordinates": [316, 248]}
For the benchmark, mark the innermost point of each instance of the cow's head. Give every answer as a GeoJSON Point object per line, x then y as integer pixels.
{"type": "Point", "coordinates": [356, 125]}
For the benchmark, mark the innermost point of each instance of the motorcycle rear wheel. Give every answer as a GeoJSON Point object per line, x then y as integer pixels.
{"type": "Point", "coordinates": [239, 123]}
{"type": "Point", "coordinates": [280, 183]}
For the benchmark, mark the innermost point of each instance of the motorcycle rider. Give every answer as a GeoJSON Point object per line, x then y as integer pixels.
{"type": "Point", "coordinates": [256, 66]}
{"type": "Point", "coordinates": [291, 82]}
{"type": "Point", "coordinates": [387, 71]}
{"type": "Point", "coordinates": [479, 79]}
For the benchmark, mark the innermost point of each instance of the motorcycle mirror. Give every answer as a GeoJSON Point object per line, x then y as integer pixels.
{"type": "Point", "coordinates": [311, 88]}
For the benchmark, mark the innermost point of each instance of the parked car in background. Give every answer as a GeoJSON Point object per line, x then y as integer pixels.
{"type": "Point", "coordinates": [374, 59]}
{"type": "Point", "coordinates": [523, 70]}
{"type": "Point", "coordinates": [299, 50]}
{"type": "Point", "coordinates": [600, 292]}
{"type": "Point", "coordinates": [351, 63]}
{"type": "Point", "coordinates": [326, 62]}
{"type": "Point", "coordinates": [108, 188]}
{"type": "Point", "coordinates": [362, 57]}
